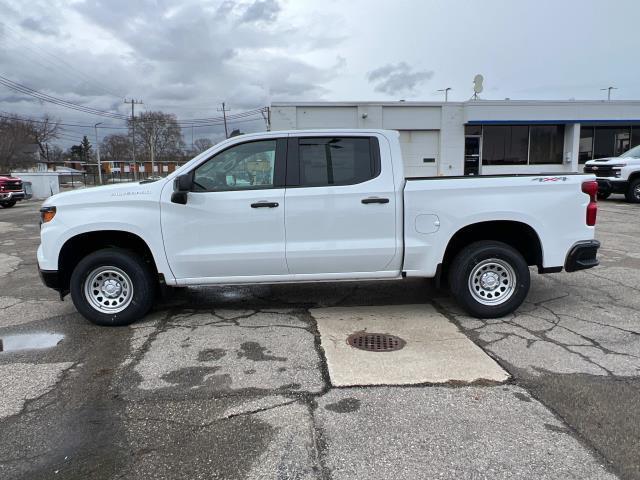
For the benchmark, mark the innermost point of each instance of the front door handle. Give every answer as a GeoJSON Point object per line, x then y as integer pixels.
{"type": "Point", "coordinates": [265, 205]}
{"type": "Point", "coordinates": [366, 201]}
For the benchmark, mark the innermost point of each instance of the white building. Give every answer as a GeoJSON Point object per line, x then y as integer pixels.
{"type": "Point", "coordinates": [481, 136]}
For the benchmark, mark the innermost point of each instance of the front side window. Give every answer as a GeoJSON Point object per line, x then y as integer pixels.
{"type": "Point", "coordinates": [335, 161]}
{"type": "Point", "coordinates": [247, 166]}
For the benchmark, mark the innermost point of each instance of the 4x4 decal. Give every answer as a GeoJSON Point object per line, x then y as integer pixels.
{"type": "Point", "coordinates": [549, 179]}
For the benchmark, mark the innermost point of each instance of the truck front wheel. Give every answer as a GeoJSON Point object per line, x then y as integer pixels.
{"type": "Point", "coordinates": [633, 194]}
{"type": "Point", "coordinates": [489, 279]}
{"type": "Point", "coordinates": [8, 204]}
{"type": "Point", "coordinates": [112, 287]}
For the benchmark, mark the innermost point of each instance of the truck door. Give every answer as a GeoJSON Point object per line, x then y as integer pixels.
{"type": "Point", "coordinates": [233, 222]}
{"type": "Point", "coordinates": [341, 207]}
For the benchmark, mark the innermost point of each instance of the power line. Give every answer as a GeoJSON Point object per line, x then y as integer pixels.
{"type": "Point", "coordinates": [240, 118]}
{"type": "Point", "coordinates": [57, 101]}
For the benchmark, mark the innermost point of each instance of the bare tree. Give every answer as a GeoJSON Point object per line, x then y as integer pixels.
{"type": "Point", "coordinates": [116, 148]}
{"type": "Point", "coordinates": [158, 136]}
{"type": "Point", "coordinates": [16, 134]}
{"type": "Point", "coordinates": [44, 131]}
{"type": "Point", "coordinates": [202, 144]}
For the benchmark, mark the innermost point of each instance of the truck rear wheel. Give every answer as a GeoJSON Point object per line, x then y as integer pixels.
{"type": "Point", "coordinates": [112, 287]}
{"type": "Point", "coordinates": [633, 194]}
{"type": "Point", "coordinates": [489, 279]}
{"type": "Point", "coordinates": [8, 204]}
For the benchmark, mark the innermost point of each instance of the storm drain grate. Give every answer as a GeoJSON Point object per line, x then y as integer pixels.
{"type": "Point", "coordinates": [375, 342]}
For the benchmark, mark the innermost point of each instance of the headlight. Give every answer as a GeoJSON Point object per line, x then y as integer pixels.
{"type": "Point", "coordinates": [47, 214]}
{"type": "Point", "coordinates": [619, 165]}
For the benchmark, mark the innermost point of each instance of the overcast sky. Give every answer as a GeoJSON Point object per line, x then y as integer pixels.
{"type": "Point", "coordinates": [186, 57]}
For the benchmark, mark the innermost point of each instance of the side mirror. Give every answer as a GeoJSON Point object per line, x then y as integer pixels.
{"type": "Point", "coordinates": [181, 187]}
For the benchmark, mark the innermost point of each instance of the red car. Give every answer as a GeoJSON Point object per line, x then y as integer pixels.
{"type": "Point", "coordinates": [11, 191]}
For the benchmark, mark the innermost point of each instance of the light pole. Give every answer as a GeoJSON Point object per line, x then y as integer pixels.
{"type": "Point", "coordinates": [98, 153]}
{"type": "Point", "coordinates": [608, 89]}
{"type": "Point", "coordinates": [446, 93]}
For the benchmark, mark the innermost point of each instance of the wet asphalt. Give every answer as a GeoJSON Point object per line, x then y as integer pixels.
{"type": "Point", "coordinates": [232, 383]}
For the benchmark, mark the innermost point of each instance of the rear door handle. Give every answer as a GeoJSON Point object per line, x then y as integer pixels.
{"type": "Point", "coordinates": [374, 200]}
{"type": "Point", "coordinates": [265, 205]}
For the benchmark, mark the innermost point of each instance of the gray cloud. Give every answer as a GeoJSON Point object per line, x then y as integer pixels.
{"type": "Point", "coordinates": [38, 26]}
{"type": "Point", "coordinates": [397, 78]}
{"type": "Point", "coordinates": [261, 11]}
{"type": "Point", "coordinates": [181, 57]}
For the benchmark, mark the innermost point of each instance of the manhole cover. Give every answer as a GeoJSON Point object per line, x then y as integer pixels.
{"type": "Point", "coordinates": [375, 342]}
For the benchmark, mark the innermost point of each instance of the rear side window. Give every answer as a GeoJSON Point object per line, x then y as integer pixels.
{"type": "Point", "coordinates": [337, 161]}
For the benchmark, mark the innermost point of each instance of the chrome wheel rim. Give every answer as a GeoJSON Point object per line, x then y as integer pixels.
{"type": "Point", "coordinates": [108, 289]}
{"type": "Point", "coordinates": [636, 192]}
{"type": "Point", "coordinates": [492, 281]}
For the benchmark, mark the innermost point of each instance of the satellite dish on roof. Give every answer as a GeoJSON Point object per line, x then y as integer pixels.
{"type": "Point", "coordinates": [477, 84]}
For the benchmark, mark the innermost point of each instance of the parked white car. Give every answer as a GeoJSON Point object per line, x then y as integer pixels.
{"type": "Point", "coordinates": [309, 206]}
{"type": "Point", "coordinates": [618, 174]}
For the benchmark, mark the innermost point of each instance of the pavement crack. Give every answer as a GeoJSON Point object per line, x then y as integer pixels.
{"type": "Point", "coordinates": [259, 410]}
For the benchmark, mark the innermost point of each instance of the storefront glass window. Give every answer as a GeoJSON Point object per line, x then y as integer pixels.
{"type": "Point", "coordinates": [546, 144]}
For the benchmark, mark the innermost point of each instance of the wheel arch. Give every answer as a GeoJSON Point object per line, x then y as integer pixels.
{"type": "Point", "coordinates": [80, 245]}
{"type": "Point", "coordinates": [634, 176]}
{"type": "Point", "coordinates": [518, 235]}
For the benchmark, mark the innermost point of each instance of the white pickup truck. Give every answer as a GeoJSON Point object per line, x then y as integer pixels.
{"type": "Point", "coordinates": [618, 174]}
{"type": "Point", "coordinates": [310, 206]}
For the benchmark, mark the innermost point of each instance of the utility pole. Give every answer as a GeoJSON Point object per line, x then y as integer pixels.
{"type": "Point", "coordinates": [153, 154]}
{"type": "Point", "coordinates": [224, 116]}
{"type": "Point", "coordinates": [446, 93]}
{"type": "Point", "coordinates": [133, 134]}
{"type": "Point", "coordinates": [266, 115]}
{"type": "Point", "coordinates": [98, 153]}
{"type": "Point", "coordinates": [608, 89]}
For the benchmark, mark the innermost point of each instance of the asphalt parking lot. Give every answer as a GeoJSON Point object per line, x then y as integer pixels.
{"type": "Point", "coordinates": [258, 382]}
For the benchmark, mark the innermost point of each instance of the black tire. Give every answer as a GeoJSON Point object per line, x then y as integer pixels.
{"type": "Point", "coordinates": [633, 193]}
{"type": "Point", "coordinates": [143, 286]}
{"type": "Point", "coordinates": [603, 196]}
{"type": "Point", "coordinates": [8, 204]}
{"type": "Point", "coordinates": [501, 262]}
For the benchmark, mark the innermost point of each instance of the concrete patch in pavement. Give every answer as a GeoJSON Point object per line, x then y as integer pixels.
{"type": "Point", "coordinates": [243, 351]}
{"type": "Point", "coordinates": [448, 433]}
{"type": "Point", "coordinates": [435, 352]}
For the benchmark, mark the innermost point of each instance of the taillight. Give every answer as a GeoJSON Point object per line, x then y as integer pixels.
{"type": "Point", "coordinates": [591, 189]}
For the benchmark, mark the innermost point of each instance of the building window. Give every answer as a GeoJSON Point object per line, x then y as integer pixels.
{"type": "Point", "coordinates": [546, 144]}
{"type": "Point", "coordinates": [585, 152]}
{"type": "Point", "coordinates": [611, 141]}
{"type": "Point", "coordinates": [635, 135]}
{"type": "Point", "coordinates": [473, 129]}
{"type": "Point", "coordinates": [505, 144]}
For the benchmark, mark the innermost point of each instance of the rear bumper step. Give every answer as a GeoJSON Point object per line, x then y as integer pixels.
{"type": "Point", "coordinates": [582, 256]}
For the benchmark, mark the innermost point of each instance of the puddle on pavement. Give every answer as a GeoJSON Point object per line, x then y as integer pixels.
{"type": "Point", "coordinates": [29, 341]}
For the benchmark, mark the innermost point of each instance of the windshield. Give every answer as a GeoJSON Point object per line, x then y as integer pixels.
{"type": "Point", "coordinates": [633, 153]}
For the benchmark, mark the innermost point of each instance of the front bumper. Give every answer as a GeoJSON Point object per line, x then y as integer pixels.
{"type": "Point", "coordinates": [50, 278]}
{"type": "Point", "coordinates": [12, 195]}
{"type": "Point", "coordinates": [606, 185]}
{"type": "Point", "coordinates": [582, 256]}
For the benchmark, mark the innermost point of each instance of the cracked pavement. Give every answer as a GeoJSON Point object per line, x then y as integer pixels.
{"type": "Point", "coordinates": [232, 382]}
